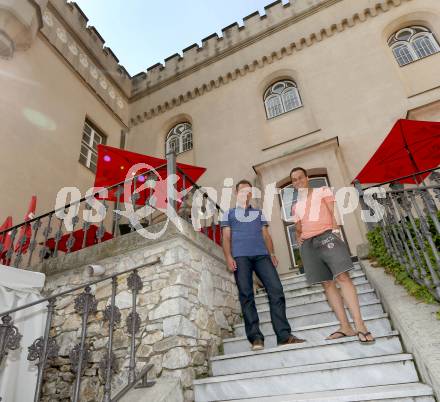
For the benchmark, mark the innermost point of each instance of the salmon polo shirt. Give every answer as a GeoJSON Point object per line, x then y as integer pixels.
{"type": "Point", "coordinates": [313, 211]}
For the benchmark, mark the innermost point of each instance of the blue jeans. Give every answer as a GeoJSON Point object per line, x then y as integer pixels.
{"type": "Point", "coordinates": [263, 267]}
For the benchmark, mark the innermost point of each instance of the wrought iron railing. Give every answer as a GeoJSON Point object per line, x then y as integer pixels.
{"type": "Point", "coordinates": [45, 348]}
{"type": "Point", "coordinates": [47, 235]}
{"type": "Point", "coordinates": [410, 227]}
{"type": "Point", "coordinates": [211, 227]}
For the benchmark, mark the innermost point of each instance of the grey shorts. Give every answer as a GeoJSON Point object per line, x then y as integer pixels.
{"type": "Point", "coordinates": [324, 257]}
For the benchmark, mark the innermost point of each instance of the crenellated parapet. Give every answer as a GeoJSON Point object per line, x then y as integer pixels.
{"type": "Point", "coordinates": [233, 37]}
{"type": "Point", "coordinates": [255, 28]}
{"type": "Point", "coordinates": [65, 27]}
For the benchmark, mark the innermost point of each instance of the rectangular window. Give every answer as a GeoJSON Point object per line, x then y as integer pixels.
{"type": "Point", "coordinates": [123, 139]}
{"type": "Point", "coordinates": [293, 244]}
{"type": "Point", "coordinates": [89, 145]}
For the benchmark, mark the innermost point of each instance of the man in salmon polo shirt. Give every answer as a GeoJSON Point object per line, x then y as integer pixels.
{"type": "Point", "coordinates": [324, 254]}
{"type": "Point", "coordinates": [248, 248]}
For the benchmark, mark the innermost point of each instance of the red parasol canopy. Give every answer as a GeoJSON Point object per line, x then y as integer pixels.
{"type": "Point", "coordinates": [410, 147]}
{"type": "Point", "coordinates": [79, 237]}
{"type": "Point", "coordinates": [114, 165]}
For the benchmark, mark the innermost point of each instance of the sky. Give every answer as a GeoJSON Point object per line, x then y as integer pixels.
{"type": "Point", "coordinates": [144, 32]}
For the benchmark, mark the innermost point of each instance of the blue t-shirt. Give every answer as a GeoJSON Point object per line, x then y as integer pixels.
{"type": "Point", "coordinates": [246, 231]}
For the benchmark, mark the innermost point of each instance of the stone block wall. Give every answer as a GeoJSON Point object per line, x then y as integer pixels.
{"type": "Point", "coordinates": [187, 303]}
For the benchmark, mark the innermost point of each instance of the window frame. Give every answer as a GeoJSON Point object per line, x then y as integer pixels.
{"type": "Point", "coordinates": [181, 138]}
{"type": "Point", "coordinates": [432, 41]}
{"type": "Point", "coordinates": [415, 32]}
{"type": "Point", "coordinates": [86, 160]}
{"type": "Point", "coordinates": [270, 94]}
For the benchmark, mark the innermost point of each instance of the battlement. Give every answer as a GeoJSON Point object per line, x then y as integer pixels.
{"type": "Point", "coordinates": [234, 35]}
{"type": "Point", "coordinates": [77, 21]}
{"type": "Point", "coordinates": [213, 46]}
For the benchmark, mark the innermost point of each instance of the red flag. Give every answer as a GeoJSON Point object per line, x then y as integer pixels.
{"type": "Point", "coordinates": [26, 230]}
{"type": "Point", "coordinates": [5, 239]}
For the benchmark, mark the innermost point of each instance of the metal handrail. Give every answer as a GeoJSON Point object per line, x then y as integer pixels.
{"type": "Point", "coordinates": [414, 189]}
{"type": "Point", "coordinates": [31, 237]}
{"type": "Point", "coordinates": [402, 178]}
{"type": "Point", "coordinates": [408, 217]}
{"type": "Point", "coordinates": [45, 347]}
{"type": "Point", "coordinates": [142, 376]}
{"type": "Point", "coordinates": [57, 295]}
{"type": "Point", "coordinates": [39, 217]}
{"type": "Point", "coordinates": [198, 187]}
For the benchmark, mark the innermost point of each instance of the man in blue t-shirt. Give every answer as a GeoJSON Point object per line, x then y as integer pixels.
{"type": "Point", "coordinates": [248, 248]}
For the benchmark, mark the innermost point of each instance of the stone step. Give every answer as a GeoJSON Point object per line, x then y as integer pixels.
{"type": "Point", "coordinates": [310, 294]}
{"type": "Point", "coordinates": [409, 392]}
{"type": "Point", "coordinates": [361, 283]}
{"type": "Point", "coordinates": [309, 308]}
{"type": "Point", "coordinates": [164, 390]}
{"type": "Point", "coordinates": [292, 275]}
{"type": "Point", "coordinates": [302, 278]}
{"type": "Point", "coordinates": [302, 284]}
{"type": "Point", "coordinates": [378, 325]}
{"type": "Point", "coordinates": [305, 354]}
{"type": "Point", "coordinates": [367, 372]}
{"type": "Point", "coordinates": [296, 320]}
{"type": "Point", "coordinates": [316, 296]}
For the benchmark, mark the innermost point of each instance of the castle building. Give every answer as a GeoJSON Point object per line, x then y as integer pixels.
{"type": "Point", "coordinates": [311, 83]}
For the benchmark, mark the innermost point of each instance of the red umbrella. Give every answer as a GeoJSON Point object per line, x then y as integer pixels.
{"type": "Point", "coordinates": [114, 165]}
{"type": "Point", "coordinates": [79, 237]}
{"type": "Point", "coordinates": [410, 147]}
{"type": "Point", "coordinates": [26, 230]}
{"type": "Point", "coordinates": [5, 239]}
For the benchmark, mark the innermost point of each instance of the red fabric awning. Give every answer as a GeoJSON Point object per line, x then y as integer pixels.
{"type": "Point", "coordinates": [411, 146]}
{"type": "Point", "coordinates": [114, 164]}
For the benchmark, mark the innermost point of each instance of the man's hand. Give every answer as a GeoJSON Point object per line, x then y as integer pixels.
{"type": "Point", "coordinates": [232, 265]}
{"type": "Point", "coordinates": [230, 262]}
{"type": "Point", "coordinates": [299, 241]}
{"type": "Point", "coordinates": [274, 260]}
{"type": "Point", "coordinates": [337, 233]}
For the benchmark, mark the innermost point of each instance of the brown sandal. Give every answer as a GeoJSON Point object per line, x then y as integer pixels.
{"type": "Point", "coordinates": [366, 341]}
{"type": "Point", "coordinates": [329, 338]}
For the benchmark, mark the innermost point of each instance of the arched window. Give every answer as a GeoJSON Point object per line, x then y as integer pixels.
{"type": "Point", "coordinates": [281, 97]}
{"type": "Point", "coordinates": [179, 139]}
{"type": "Point", "coordinates": [413, 43]}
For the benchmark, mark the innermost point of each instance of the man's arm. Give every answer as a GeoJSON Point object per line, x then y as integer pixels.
{"type": "Point", "coordinates": [298, 232]}
{"type": "Point", "coordinates": [330, 203]}
{"type": "Point", "coordinates": [232, 265]}
{"type": "Point", "coordinates": [269, 244]}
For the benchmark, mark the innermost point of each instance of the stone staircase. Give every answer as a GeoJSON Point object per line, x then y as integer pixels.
{"type": "Point", "coordinates": [318, 370]}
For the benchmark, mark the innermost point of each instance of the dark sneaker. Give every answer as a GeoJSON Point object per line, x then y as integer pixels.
{"type": "Point", "coordinates": [292, 339]}
{"type": "Point", "coordinates": [258, 344]}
